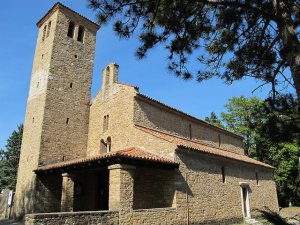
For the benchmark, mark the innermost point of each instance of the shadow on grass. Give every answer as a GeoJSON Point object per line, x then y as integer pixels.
{"type": "Point", "coordinates": [272, 217]}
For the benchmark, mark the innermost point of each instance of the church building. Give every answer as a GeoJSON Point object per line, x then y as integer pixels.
{"type": "Point", "coordinates": [123, 157]}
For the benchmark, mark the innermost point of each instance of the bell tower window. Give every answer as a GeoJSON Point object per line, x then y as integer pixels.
{"type": "Point", "coordinates": [80, 34]}
{"type": "Point", "coordinates": [71, 29]}
{"type": "Point", "coordinates": [48, 30]}
{"type": "Point", "coordinates": [44, 32]}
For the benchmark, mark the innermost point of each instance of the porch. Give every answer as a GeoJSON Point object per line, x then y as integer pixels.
{"type": "Point", "coordinates": [121, 181]}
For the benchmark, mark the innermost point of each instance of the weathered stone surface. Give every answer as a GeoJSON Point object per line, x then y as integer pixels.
{"type": "Point", "coordinates": [56, 123]}
{"type": "Point", "coordinates": [74, 218]}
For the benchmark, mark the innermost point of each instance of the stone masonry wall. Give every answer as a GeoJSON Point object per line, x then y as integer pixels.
{"type": "Point", "coordinates": [74, 218]}
{"type": "Point", "coordinates": [162, 216]}
{"type": "Point", "coordinates": [59, 61]}
{"type": "Point", "coordinates": [31, 141]}
{"type": "Point", "coordinates": [158, 117]}
{"type": "Point", "coordinates": [153, 188]}
{"type": "Point", "coordinates": [199, 182]}
{"type": "Point", "coordinates": [116, 101]}
{"type": "Point", "coordinates": [65, 125]}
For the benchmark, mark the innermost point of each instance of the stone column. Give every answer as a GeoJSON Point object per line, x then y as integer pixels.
{"type": "Point", "coordinates": [121, 187]}
{"type": "Point", "coordinates": [67, 195]}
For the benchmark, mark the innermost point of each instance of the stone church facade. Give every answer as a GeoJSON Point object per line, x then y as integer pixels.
{"type": "Point", "coordinates": [122, 158]}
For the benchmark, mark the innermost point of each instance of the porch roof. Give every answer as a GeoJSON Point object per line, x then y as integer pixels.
{"type": "Point", "coordinates": [128, 156]}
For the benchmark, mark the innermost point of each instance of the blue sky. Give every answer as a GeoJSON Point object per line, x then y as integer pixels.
{"type": "Point", "coordinates": [18, 39]}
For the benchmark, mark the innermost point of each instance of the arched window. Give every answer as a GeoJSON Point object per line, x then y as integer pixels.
{"type": "Point", "coordinates": [80, 34]}
{"type": "Point", "coordinates": [107, 75]}
{"type": "Point", "coordinates": [71, 29]}
{"type": "Point", "coordinates": [103, 147]}
{"type": "Point", "coordinates": [108, 144]}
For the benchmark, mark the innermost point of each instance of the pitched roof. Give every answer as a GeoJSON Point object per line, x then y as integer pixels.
{"type": "Point", "coordinates": [188, 115]}
{"type": "Point", "coordinates": [130, 153]}
{"type": "Point", "coordinates": [59, 5]}
{"type": "Point", "coordinates": [194, 145]}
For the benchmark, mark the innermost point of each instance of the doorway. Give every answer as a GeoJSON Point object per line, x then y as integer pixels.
{"type": "Point", "coordinates": [91, 190]}
{"type": "Point", "coordinates": [102, 191]}
{"type": "Point", "coordinates": [245, 202]}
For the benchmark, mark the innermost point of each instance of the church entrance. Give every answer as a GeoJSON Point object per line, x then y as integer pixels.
{"type": "Point", "coordinates": [91, 190]}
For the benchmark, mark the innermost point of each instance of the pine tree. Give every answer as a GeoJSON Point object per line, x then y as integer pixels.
{"type": "Point", "coordinates": [228, 39]}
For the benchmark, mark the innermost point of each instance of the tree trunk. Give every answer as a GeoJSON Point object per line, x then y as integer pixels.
{"type": "Point", "coordinates": [291, 47]}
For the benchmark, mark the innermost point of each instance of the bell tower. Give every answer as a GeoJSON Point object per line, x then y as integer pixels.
{"type": "Point", "coordinates": [56, 121]}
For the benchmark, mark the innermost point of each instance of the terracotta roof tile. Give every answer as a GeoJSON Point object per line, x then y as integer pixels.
{"type": "Point", "coordinates": [186, 143]}
{"type": "Point", "coordinates": [132, 153]}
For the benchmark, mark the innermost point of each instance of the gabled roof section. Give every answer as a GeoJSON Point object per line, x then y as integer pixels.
{"type": "Point", "coordinates": [196, 146]}
{"type": "Point", "coordinates": [187, 115]}
{"type": "Point", "coordinates": [57, 6]}
{"type": "Point", "coordinates": [133, 154]}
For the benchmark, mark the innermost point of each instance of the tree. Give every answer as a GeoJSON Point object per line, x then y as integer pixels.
{"type": "Point", "coordinates": [285, 157]}
{"type": "Point", "coordinates": [242, 118]}
{"type": "Point", "coordinates": [281, 120]}
{"type": "Point", "coordinates": [9, 159]}
{"type": "Point", "coordinates": [241, 38]}
{"type": "Point", "coordinates": [214, 120]}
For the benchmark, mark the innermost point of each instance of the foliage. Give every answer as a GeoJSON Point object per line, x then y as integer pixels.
{"type": "Point", "coordinates": [281, 120]}
{"type": "Point", "coordinates": [9, 159]}
{"type": "Point", "coordinates": [241, 118]}
{"type": "Point", "coordinates": [214, 120]}
{"type": "Point", "coordinates": [285, 158]}
{"type": "Point", "coordinates": [230, 39]}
